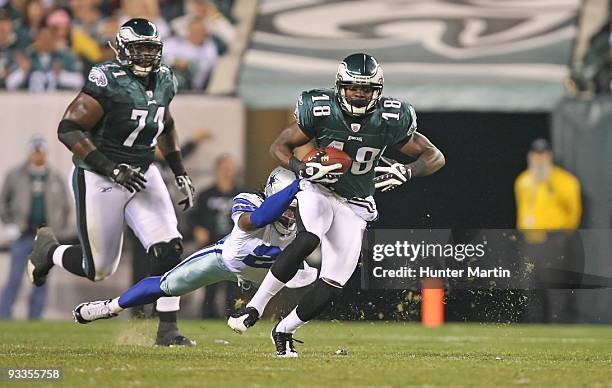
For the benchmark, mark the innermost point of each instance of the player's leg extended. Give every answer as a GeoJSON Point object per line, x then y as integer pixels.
{"type": "Point", "coordinates": [202, 268]}
{"type": "Point", "coordinates": [340, 249]}
{"type": "Point", "coordinates": [151, 216]}
{"type": "Point", "coordinates": [313, 220]}
{"type": "Point", "coordinates": [99, 205]}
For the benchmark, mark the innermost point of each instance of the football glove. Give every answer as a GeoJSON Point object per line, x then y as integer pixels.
{"type": "Point", "coordinates": [129, 177]}
{"type": "Point", "coordinates": [316, 172]}
{"type": "Point", "coordinates": [187, 189]}
{"type": "Point", "coordinates": [394, 175]}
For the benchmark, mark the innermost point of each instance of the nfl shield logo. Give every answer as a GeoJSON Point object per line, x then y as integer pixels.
{"type": "Point", "coordinates": [355, 127]}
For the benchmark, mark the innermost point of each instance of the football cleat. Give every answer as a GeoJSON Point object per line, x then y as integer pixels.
{"type": "Point", "coordinates": [241, 320]}
{"type": "Point", "coordinates": [92, 311]}
{"type": "Point", "coordinates": [39, 263]}
{"type": "Point", "coordinates": [283, 343]}
{"type": "Point", "coordinates": [174, 340]}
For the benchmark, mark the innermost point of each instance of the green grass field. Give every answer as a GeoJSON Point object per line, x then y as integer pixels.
{"type": "Point", "coordinates": [119, 354]}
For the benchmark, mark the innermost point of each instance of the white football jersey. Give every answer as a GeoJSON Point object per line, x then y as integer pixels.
{"type": "Point", "coordinates": [251, 254]}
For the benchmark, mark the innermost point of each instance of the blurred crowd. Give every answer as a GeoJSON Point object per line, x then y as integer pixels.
{"type": "Point", "coordinates": [47, 45]}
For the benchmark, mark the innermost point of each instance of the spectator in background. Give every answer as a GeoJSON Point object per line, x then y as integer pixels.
{"type": "Point", "coordinates": [148, 9]}
{"type": "Point", "coordinates": [44, 68]}
{"type": "Point", "coordinates": [549, 209]}
{"type": "Point", "coordinates": [71, 38]}
{"type": "Point", "coordinates": [193, 57]}
{"type": "Point", "coordinates": [214, 22]}
{"type": "Point", "coordinates": [210, 220]}
{"type": "Point", "coordinates": [547, 196]}
{"type": "Point", "coordinates": [16, 9]}
{"type": "Point", "coordinates": [86, 15]}
{"type": "Point", "coordinates": [107, 30]}
{"type": "Point", "coordinates": [32, 195]}
{"type": "Point", "coordinates": [8, 46]}
{"type": "Point", "coordinates": [33, 17]}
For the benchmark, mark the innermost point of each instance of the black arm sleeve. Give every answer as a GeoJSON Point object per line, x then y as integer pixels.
{"type": "Point", "coordinates": [70, 133]}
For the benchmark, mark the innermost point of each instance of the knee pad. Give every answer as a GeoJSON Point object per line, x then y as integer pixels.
{"type": "Point", "coordinates": [165, 256]}
{"type": "Point", "coordinates": [317, 299]}
{"type": "Point", "coordinates": [289, 260]}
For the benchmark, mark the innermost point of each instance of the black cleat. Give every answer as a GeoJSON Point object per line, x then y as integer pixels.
{"type": "Point", "coordinates": [39, 263]}
{"type": "Point", "coordinates": [283, 343]}
{"type": "Point", "coordinates": [174, 340]}
{"type": "Point", "coordinates": [241, 320]}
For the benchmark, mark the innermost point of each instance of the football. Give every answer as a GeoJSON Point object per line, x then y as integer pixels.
{"type": "Point", "coordinates": [332, 156]}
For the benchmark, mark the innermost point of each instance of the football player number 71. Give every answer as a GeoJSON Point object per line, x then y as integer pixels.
{"type": "Point", "coordinates": [141, 116]}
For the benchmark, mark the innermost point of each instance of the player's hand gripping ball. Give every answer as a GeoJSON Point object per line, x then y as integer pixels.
{"type": "Point", "coordinates": [325, 165]}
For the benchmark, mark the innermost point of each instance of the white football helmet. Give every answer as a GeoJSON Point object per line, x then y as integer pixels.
{"type": "Point", "coordinates": [278, 179]}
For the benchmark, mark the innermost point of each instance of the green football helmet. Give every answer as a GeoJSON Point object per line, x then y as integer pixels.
{"type": "Point", "coordinates": [138, 46]}
{"type": "Point", "coordinates": [359, 71]}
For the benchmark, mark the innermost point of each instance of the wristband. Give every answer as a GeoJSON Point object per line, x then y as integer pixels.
{"type": "Point", "coordinates": [100, 163]}
{"type": "Point", "coordinates": [175, 162]}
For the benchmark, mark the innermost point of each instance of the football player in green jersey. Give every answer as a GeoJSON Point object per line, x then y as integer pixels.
{"type": "Point", "coordinates": [334, 208]}
{"type": "Point", "coordinates": [112, 127]}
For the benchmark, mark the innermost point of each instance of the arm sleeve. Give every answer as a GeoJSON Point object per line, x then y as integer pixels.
{"type": "Point", "coordinates": [275, 205]}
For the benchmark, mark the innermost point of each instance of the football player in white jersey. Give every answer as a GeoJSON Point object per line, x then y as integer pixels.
{"type": "Point", "coordinates": [263, 226]}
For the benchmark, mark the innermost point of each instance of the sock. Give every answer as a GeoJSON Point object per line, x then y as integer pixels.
{"type": "Point", "coordinates": [268, 288]}
{"type": "Point", "coordinates": [167, 324]}
{"type": "Point", "coordinates": [290, 323]}
{"type": "Point", "coordinates": [57, 255]}
{"type": "Point", "coordinates": [69, 257]}
{"type": "Point", "coordinates": [115, 307]}
{"type": "Point", "coordinates": [146, 291]}
{"type": "Point", "coordinates": [168, 303]}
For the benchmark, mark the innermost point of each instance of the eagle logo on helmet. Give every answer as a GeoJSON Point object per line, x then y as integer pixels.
{"type": "Point", "coordinates": [139, 47]}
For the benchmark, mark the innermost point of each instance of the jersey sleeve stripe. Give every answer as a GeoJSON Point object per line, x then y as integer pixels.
{"type": "Point", "coordinates": [244, 201]}
{"type": "Point", "coordinates": [238, 208]}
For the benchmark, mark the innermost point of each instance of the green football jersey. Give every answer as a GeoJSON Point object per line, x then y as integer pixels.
{"type": "Point", "coordinates": [133, 114]}
{"type": "Point", "coordinates": [364, 139]}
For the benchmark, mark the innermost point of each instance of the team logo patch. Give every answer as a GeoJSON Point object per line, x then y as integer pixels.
{"type": "Point", "coordinates": [355, 127]}
{"type": "Point", "coordinates": [97, 76]}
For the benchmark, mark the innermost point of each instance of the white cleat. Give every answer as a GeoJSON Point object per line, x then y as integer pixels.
{"type": "Point", "coordinates": [92, 311]}
{"type": "Point", "coordinates": [240, 321]}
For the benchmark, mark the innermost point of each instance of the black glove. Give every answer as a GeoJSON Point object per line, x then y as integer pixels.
{"type": "Point", "coordinates": [186, 187]}
{"type": "Point", "coordinates": [129, 177]}
{"type": "Point", "coordinates": [314, 171]}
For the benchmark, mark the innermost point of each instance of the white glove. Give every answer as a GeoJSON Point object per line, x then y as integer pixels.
{"type": "Point", "coordinates": [393, 176]}
{"type": "Point", "coordinates": [316, 172]}
{"type": "Point", "coordinates": [186, 188]}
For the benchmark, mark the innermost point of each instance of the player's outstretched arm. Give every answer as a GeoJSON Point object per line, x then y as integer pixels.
{"type": "Point", "coordinates": [80, 117]}
{"type": "Point", "coordinates": [273, 207]}
{"type": "Point", "coordinates": [169, 146]}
